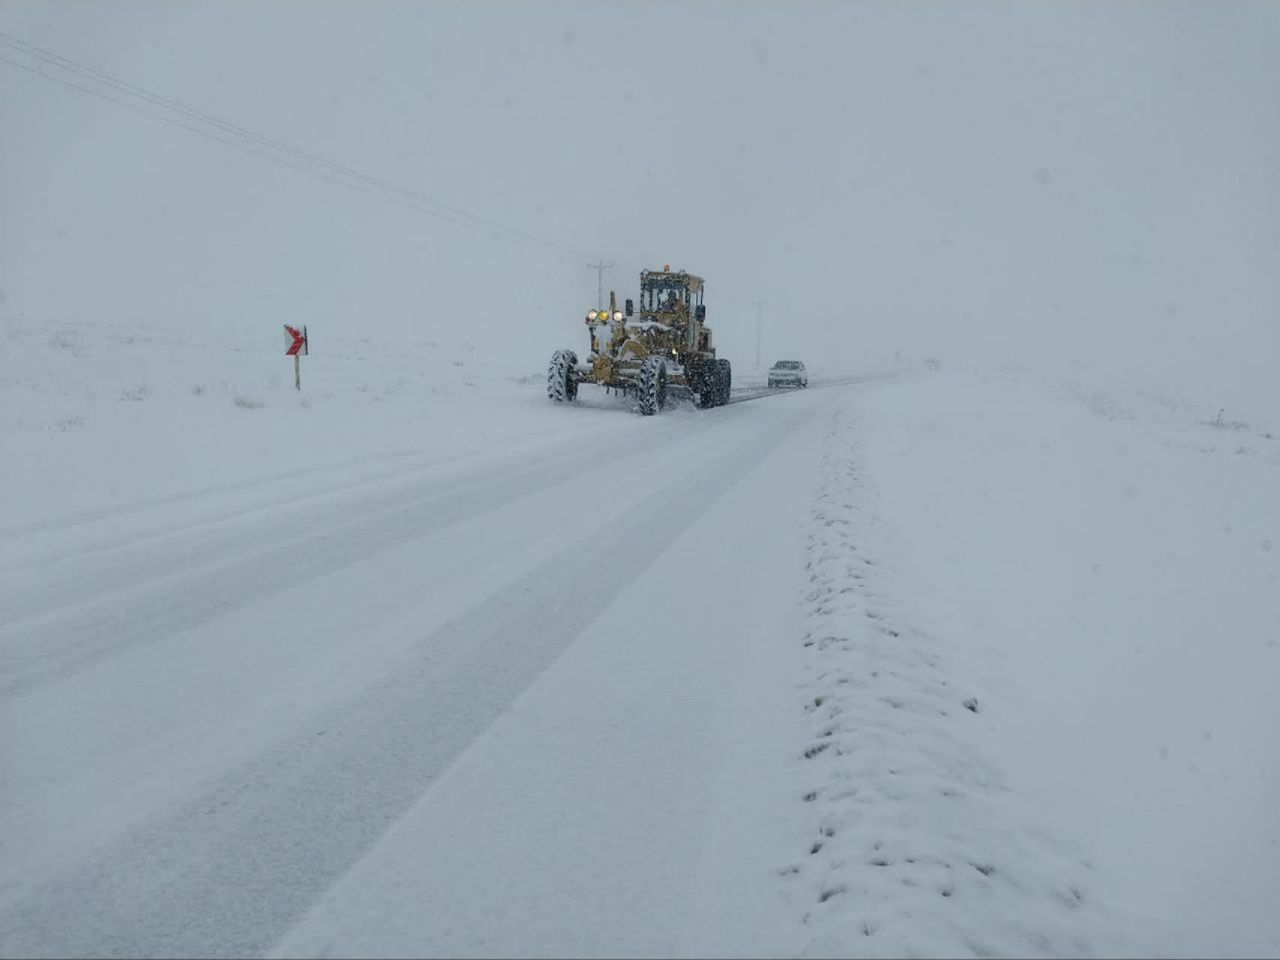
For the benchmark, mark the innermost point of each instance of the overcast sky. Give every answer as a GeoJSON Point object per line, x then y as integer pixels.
{"type": "Point", "coordinates": [989, 182]}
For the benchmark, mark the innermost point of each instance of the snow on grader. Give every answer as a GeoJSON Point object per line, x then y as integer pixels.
{"type": "Point", "coordinates": [667, 352]}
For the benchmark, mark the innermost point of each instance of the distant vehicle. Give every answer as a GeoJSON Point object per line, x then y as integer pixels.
{"type": "Point", "coordinates": [788, 373]}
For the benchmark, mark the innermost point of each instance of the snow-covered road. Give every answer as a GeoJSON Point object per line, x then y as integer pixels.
{"type": "Point", "coordinates": [790, 677]}
{"type": "Point", "coordinates": [207, 726]}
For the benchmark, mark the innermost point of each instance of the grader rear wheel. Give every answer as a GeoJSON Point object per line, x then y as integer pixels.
{"type": "Point", "coordinates": [708, 384]}
{"type": "Point", "coordinates": [726, 382]}
{"type": "Point", "coordinates": [716, 380]}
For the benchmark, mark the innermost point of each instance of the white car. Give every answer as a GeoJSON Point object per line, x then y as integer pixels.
{"type": "Point", "coordinates": [788, 373]}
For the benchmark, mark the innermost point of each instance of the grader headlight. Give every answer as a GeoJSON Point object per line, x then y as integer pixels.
{"type": "Point", "coordinates": [592, 314]}
{"type": "Point", "coordinates": [617, 314]}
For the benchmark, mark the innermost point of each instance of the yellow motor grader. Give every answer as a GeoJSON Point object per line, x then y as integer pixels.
{"type": "Point", "coordinates": [666, 351]}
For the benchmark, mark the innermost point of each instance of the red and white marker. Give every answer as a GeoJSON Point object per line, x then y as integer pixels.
{"type": "Point", "coordinates": [297, 347]}
{"type": "Point", "coordinates": [299, 337]}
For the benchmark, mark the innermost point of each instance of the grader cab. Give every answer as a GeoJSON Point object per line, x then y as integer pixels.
{"type": "Point", "coordinates": [664, 349]}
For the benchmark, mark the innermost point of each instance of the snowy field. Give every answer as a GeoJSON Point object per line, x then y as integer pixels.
{"type": "Point", "coordinates": [412, 662]}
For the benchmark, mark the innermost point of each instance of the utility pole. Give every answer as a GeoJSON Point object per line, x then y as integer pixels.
{"type": "Point", "coordinates": [759, 304]}
{"type": "Point", "coordinates": [600, 267]}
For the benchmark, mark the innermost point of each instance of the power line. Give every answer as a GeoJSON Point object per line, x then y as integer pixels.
{"type": "Point", "coordinates": [234, 143]}
{"type": "Point", "coordinates": [454, 215]}
{"type": "Point", "coordinates": [417, 200]}
{"type": "Point", "coordinates": [302, 159]}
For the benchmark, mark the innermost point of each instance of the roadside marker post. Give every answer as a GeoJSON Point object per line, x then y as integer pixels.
{"type": "Point", "coordinates": [298, 345]}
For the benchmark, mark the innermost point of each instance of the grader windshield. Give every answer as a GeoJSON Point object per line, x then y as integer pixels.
{"type": "Point", "coordinates": [667, 291]}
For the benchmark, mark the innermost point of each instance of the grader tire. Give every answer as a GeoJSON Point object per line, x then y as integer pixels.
{"type": "Point", "coordinates": [562, 376]}
{"type": "Point", "coordinates": [715, 378]}
{"type": "Point", "coordinates": [725, 369]}
{"type": "Point", "coordinates": [651, 386]}
{"type": "Point", "coordinates": [708, 385]}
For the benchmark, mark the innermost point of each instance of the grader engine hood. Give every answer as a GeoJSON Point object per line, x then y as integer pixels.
{"type": "Point", "coordinates": [646, 336]}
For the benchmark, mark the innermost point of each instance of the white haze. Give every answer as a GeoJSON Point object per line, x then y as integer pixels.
{"type": "Point", "coordinates": [1047, 183]}
{"type": "Point", "coordinates": [405, 659]}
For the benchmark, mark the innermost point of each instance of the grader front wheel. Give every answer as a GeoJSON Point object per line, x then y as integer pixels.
{"type": "Point", "coordinates": [651, 386]}
{"type": "Point", "coordinates": [562, 376]}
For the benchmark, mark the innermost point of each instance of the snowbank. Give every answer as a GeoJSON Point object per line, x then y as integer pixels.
{"type": "Point", "coordinates": [1094, 574]}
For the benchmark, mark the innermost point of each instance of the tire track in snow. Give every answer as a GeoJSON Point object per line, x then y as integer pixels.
{"type": "Point", "coordinates": [229, 872]}
{"type": "Point", "coordinates": [87, 517]}
{"type": "Point", "coordinates": [186, 546]}
{"type": "Point", "coordinates": [130, 606]}
{"type": "Point", "coordinates": [918, 846]}
{"type": "Point", "coordinates": [93, 539]}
